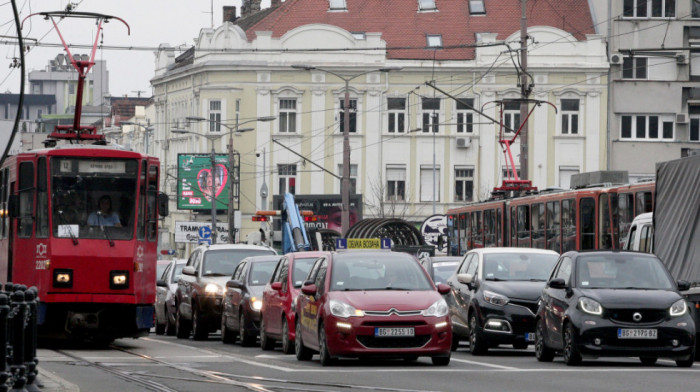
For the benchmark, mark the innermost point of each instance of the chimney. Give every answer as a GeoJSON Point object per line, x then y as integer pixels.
{"type": "Point", "coordinates": [275, 3]}
{"type": "Point", "coordinates": [255, 6]}
{"type": "Point", "coordinates": [229, 14]}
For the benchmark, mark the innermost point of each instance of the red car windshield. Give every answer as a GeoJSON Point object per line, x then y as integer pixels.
{"type": "Point", "coordinates": [388, 271]}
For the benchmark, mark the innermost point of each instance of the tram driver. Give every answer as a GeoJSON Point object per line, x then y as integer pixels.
{"type": "Point", "coordinates": [104, 216]}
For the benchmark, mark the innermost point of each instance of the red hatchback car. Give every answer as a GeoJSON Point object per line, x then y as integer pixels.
{"type": "Point", "coordinates": [372, 304]}
{"type": "Point", "coordinates": [277, 315]}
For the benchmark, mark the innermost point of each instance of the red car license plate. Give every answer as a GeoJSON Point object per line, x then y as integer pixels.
{"type": "Point", "coordinates": [393, 332]}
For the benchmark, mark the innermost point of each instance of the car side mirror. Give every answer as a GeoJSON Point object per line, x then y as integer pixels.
{"type": "Point", "coordinates": [161, 283]}
{"type": "Point", "coordinates": [683, 285]}
{"type": "Point", "coordinates": [557, 283]}
{"type": "Point", "coordinates": [189, 270]}
{"type": "Point", "coordinates": [277, 286]}
{"type": "Point", "coordinates": [163, 204]}
{"type": "Point", "coordinates": [309, 289]}
{"type": "Point", "coordinates": [13, 206]}
{"type": "Point", "coordinates": [443, 288]}
{"type": "Point", "coordinates": [234, 284]}
{"type": "Point", "coordinates": [467, 279]}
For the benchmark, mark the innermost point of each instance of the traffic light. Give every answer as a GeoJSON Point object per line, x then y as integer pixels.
{"type": "Point", "coordinates": [260, 218]}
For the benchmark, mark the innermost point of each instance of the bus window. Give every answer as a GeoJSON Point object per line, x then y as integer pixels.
{"type": "Point", "coordinates": [605, 239]}
{"type": "Point", "coordinates": [42, 202]}
{"type": "Point", "coordinates": [568, 225]}
{"type": "Point", "coordinates": [537, 225]}
{"type": "Point", "coordinates": [644, 203]}
{"type": "Point", "coordinates": [26, 199]}
{"type": "Point", "coordinates": [625, 203]}
{"type": "Point", "coordinates": [553, 226]}
{"type": "Point", "coordinates": [523, 227]}
{"type": "Point", "coordinates": [477, 230]}
{"type": "Point", "coordinates": [587, 219]}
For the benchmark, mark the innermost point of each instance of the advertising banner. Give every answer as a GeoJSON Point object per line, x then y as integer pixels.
{"type": "Point", "coordinates": [199, 184]}
{"type": "Point", "coordinates": [326, 208]}
{"type": "Point", "coordinates": [196, 232]}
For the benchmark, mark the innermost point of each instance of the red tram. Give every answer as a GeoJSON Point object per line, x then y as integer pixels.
{"type": "Point", "coordinates": [587, 218]}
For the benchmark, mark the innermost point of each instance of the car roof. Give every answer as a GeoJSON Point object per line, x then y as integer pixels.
{"type": "Point", "coordinates": [256, 259]}
{"type": "Point", "coordinates": [445, 259]}
{"type": "Point", "coordinates": [513, 250]}
{"type": "Point", "coordinates": [370, 253]}
{"type": "Point", "coordinates": [234, 247]}
{"type": "Point", "coordinates": [307, 254]}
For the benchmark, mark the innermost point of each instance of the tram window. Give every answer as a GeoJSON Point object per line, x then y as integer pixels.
{"type": "Point", "coordinates": [26, 199]}
{"type": "Point", "coordinates": [477, 230]}
{"type": "Point", "coordinates": [141, 223]}
{"type": "Point", "coordinates": [489, 228]}
{"type": "Point", "coordinates": [605, 229]}
{"type": "Point", "coordinates": [463, 232]}
{"type": "Point", "coordinates": [568, 225]}
{"type": "Point", "coordinates": [625, 203]}
{"type": "Point", "coordinates": [3, 202]}
{"type": "Point", "coordinates": [513, 226]}
{"type": "Point", "coordinates": [644, 203]}
{"type": "Point", "coordinates": [553, 226]}
{"type": "Point", "coordinates": [523, 226]}
{"type": "Point", "coordinates": [587, 219]}
{"type": "Point", "coordinates": [499, 225]}
{"type": "Point", "coordinates": [537, 225]}
{"type": "Point", "coordinates": [42, 202]}
{"type": "Point", "coordinates": [152, 205]}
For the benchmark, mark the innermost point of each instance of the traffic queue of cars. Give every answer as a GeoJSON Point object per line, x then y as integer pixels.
{"type": "Point", "coordinates": [385, 304]}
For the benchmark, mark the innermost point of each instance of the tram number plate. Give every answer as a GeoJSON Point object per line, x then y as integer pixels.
{"type": "Point", "coordinates": [625, 333]}
{"type": "Point", "coordinates": [393, 332]}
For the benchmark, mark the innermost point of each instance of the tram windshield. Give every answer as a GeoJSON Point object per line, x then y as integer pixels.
{"type": "Point", "coordinates": [93, 198]}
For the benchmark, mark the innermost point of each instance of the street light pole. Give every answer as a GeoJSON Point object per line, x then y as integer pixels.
{"type": "Point", "coordinates": [345, 182]}
{"type": "Point", "coordinates": [213, 195]}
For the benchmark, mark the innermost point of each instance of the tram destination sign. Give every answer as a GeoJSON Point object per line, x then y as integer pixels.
{"type": "Point", "coordinates": [195, 180]}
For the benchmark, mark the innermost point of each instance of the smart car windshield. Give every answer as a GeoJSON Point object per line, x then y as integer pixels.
{"type": "Point", "coordinates": [622, 271]}
{"type": "Point", "coordinates": [388, 271]}
{"type": "Point", "coordinates": [518, 266]}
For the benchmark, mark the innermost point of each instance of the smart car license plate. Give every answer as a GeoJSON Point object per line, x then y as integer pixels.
{"type": "Point", "coordinates": [625, 333]}
{"type": "Point", "coordinates": [530, 337]}
{"type": "Point", "coordinates": [393, 332]}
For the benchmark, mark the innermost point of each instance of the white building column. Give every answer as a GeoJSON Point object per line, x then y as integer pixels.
{"type": "Point", "coordinates": [592, 131]}
{"type": "Point", "coordinates": [538, 152]}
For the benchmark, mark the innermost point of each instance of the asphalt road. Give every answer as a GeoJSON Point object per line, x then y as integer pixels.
{"type": "Point", "coordinates": [160, 363]}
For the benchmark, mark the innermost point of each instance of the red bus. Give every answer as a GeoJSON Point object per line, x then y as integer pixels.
{"type": "Point", "coordinates": [560, 220]}
{"type": "Point", "coordinates": [94, 268]}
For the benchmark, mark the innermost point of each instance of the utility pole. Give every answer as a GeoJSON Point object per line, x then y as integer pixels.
{"type": "Point", "coordinates": [524, 92]}
{"type": "Point", "coordinates": [233, 180]}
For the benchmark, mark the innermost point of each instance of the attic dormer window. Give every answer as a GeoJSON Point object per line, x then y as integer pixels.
{"type": "Point", "coordinates": [476, 7]}
{"type": "Point", "coordinates": [337, 5]}
{"type": "Point", "coordinates": [434, 40]}
{"type": "Point", "coordinates": [427, 5]}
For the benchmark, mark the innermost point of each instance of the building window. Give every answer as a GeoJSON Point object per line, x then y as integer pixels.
{"type": "Point", "coordinates": [569, 116]}
{"type": "Point", "coordinates": [465, 115]}
{"type": "Point", "coordinates": [434, 40]}
{"type": "Point", "coordinates": [429, 189]}
{"type": "Point", "coordinates": [511, 116]}
{"type": "Point", "coordinates": [476, 7]}
{"type": "Point", "coordinates": [353, 178]}
{"type": "Point", "coordinates": [634, 68]}
{"type": "Point", "coordinates": [430, 108]}
{"type": "Point", "coordinates": [215, 116]}
{"type": "Point", "coordinates": [464, 184]}
{"type": "Point", "coordinates": [287, 178]}
{"type": "Point", "coordinates": [337, 5]}
{"type": "Point", "coordinates": [396, 114]}
{"type": "Point", "coordinates": [288, 115]}
{"type": "Point", "coordinates": [642, 127]}
{"type": "Point", "coordinates": [508, 173]}
{"type": "Point", "coordinates": [695, 12]}
{"type": "Point", "coordinates": [649, 8]}
{"type": "Point", "coordinates": [426, 5]}
{"type": "Point", "coordinates": [353, 115]}
{"type": "Point", "coordinates": [694, 135]}
{"type": "Point", "coordinates": [396, 183]}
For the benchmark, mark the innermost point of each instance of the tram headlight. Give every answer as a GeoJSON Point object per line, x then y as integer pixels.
{"type": "Point", "coordinates": [119, 279]}
{"type": "Point", "coordinates": [63, 278]}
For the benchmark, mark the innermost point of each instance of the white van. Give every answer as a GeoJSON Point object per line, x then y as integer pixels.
{"type": "Point", "coordinates": [641, 234]}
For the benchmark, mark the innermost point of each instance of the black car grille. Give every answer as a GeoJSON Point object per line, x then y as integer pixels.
{"type": "Point", "coordinates": [627, 315]}
{"type": "Point", "coordinates": [532, 305]}
{"type": "Point", "coordinates": [412, 342]}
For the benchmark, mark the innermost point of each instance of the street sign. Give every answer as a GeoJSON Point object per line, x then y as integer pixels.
{"type": "Point", "coordinates": [204, 241]}
{"type": "Point", "coordinates": [205, 232]}
{"type": "Point", "coordinates": [341, 243]}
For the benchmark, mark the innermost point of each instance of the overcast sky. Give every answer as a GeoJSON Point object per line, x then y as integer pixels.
{"type": "Point", "coordinates": [152, 22]}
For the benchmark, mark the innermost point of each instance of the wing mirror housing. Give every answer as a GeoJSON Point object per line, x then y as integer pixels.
{"type": "Point", "coordinates": [161, 283]}
{"type": "Point", "coordinates": [683, 285]}
{"type": "Point", "coordinates": [189, 270]}
{"type": "Point", "coordinates": [467, 279]}
{"type": "Point", "coordinates": [163, 204]}
{"type": "Point", "coordinates": [277, 286]}
{"type": "Point", "coordinates": [309, 289]}
{"type": "Point", "coordinates": [443, 288]}
{"type": "Point", "coordinates": [557, 283]}
{"type": "Point", "coordinates": [234, 284]}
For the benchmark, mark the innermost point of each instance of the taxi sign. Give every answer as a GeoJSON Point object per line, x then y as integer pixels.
{"type": "Point", "coordinates": [362, 243]}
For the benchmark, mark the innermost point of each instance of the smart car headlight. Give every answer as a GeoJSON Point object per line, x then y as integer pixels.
{"type": "Point", "coordinates": [590, 306]}
{"type": "Point", "coordinates": [437, 309]}
{"type": "Point", "coordinates": [212, 288]}
{"type": "Point", "coordinates": [341, 309]}
{"type": "Point", "coordinates": [495, 298]}
{"type": "Point", "coordinates": [678, 308]}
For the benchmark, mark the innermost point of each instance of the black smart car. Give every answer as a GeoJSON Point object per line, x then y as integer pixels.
{"type": "Point", "coordinates": [614, 304]}
{"type": "Point", "coordinates": [494, 296]}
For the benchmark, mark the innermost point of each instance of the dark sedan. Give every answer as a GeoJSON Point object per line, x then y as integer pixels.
{"type": "Point", "coordinates": [243, 299]}
{"type": "Point", "coordinates": [494, 295]}
{"type": "Point", "coordinates": [614, 304]}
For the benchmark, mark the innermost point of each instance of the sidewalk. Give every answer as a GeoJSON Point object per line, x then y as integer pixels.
{"type": "Point", "coordinates": [53, 383]}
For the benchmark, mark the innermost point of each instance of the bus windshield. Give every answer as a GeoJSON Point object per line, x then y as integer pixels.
{"type": "Point", "coordinates": [93, 198]}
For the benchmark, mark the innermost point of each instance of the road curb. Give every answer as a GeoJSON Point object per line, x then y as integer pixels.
{"type": "Point", "coordinates": [53, 383]}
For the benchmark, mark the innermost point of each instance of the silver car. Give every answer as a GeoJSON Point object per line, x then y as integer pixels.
{"type": "Point", "coordinates": [165, 297]}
